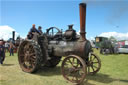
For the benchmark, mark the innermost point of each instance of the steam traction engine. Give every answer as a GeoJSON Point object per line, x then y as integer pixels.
{"type": "Point", "coordinates": [47, 50]}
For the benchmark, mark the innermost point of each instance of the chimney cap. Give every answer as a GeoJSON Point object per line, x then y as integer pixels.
{"type": "Point", "coordinates": [83, 4]}
{"type": "Point", "coordinates": [71, 25]}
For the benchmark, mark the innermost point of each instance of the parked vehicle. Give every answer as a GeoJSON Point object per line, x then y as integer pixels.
{"type": "Point", "coordinates": [104, 44]}
{"type": "Point", "coordinates": [122, 47]}
{"type": "Point", "coordinates": [122, 50]}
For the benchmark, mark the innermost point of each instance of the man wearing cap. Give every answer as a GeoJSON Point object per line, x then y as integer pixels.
{"type": "Point", "coordinates": [32, 31]}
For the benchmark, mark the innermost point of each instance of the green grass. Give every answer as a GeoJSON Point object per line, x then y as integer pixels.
{"type": "Point", "coordinates": [114, 71]}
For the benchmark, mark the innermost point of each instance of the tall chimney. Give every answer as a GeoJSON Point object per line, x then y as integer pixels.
{"type": "Point", "coordinates": [82, 7]}
{"type": "Point", "coordinates": [13, 35]}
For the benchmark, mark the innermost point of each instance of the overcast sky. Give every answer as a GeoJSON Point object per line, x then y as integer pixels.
{"type": "Point", "coordinates": [103, 16]}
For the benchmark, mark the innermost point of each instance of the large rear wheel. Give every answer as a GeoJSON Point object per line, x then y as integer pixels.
{"type": "Point", "coordinates": [29, 56]}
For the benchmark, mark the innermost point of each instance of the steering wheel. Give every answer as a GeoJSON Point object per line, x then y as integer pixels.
{"type": "Point", "coordinates": [52, 31]}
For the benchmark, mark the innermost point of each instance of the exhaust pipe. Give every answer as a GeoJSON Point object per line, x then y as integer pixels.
{"type": "Point", "coordinates": [70, 26]}
{"type": "Point", "coordinates": [13, 35]}
{"type": "Point", "coordinates": [82, 7]}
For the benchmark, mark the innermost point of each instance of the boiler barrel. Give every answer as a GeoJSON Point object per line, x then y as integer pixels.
{"type": "Point", "coordinates": [63, 48]}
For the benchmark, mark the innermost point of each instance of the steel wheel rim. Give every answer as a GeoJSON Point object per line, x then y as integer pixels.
{"type": "Point", "coordinates": [94, 64]}
{"type": "Point", "coordinates": [76, 66]}
{"type": "Point", "coordinates": [27, 57]}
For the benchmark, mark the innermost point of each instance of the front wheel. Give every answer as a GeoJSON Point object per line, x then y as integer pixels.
{"type": "Point", "coordinates": [93, 64]}
{"type": "Point", "coordinates": [74, 69]}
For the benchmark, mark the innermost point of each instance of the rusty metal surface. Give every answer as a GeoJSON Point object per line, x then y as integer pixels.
{"type": "Point", "coordinates": [82, 49]}
{"type": "Point", "coordinates": [70, 34]}
{"type": "Point", "coordinates": [82, 7]}
{"type": "Point", "coordinates": [79, 49]}
{"type": "Point", "coordinates": [63, 48]}
{"type": "Point", "coordinates": [74, 69]}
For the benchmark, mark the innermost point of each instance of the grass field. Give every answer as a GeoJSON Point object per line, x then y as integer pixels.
{"type": "Point", "coordinates": [114, 71]}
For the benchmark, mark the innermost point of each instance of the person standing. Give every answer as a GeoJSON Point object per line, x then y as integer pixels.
{"type": "Point", "coordinates": [6, 46]}
{"type": "Point", "coordinates": [2, 51]}
{"type": "Point", "coordinates": [11, 49]}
